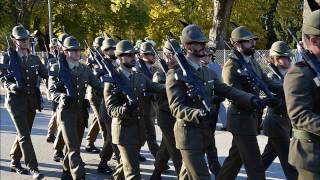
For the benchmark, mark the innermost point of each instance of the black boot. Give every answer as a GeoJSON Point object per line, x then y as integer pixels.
{"type": "Point", "coordinates": [36, 175]}
{"type": "Point", "coordinates": [58, 156]}
{"type": "Point", "coordinates": [92, 148]}
{"type": "Point", "coordinates": [16, 167]}
{"type": "Point", "coordinates": [66, 175]}
{"type": "Point", "coordinates": [51, 138]}
{"type": "Point", "coordinates": [142, 158]}
{"type": "Point", "coordinates": [156, 175]}
{"type": "Point", "coordinates": [104, 168]}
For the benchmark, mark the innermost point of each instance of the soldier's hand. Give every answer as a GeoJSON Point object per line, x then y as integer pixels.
{"type": "Point", "coordinates": [131, 109]}
{"type": "Point", "coordinates": [206, 115]}
{"type": "Point", "coordinates": [273, 102]}
{"type": "Point", "coordinates": [258, 103]}
{"type": "Point", "coordinates": [15, 89]}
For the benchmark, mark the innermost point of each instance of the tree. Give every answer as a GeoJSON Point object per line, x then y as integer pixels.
{"type": "Point", "coordinates": [221, 15]}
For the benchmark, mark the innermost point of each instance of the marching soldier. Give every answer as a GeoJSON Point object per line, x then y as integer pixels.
{"type": "Point", "coordinates": [165, 120]}
{"type": "Point", "coordinates": [147, 66]}
{"type": "Point", "coordinates": [301, 86]}
{"type": "Point", "coordinates": [72, 110]}
{"type": "Point", "coordinates": [276, 124]}
{"type": "Point", "coordinates": [108, 47]}
{"type": "Point", "coordinates": [22, 99]}
{"type": "Point", "coordinates": [243, 122]}
{"type": "Point", "coordinates": [211, 151]}
{"type": "Point", "coordinates": [128, 124]}
{"type": "Point", "coordinates": [58, 144]}
{"type": "Point", "coordinates": [52, 125]}
{"type": "Point", "coordinates": [192, 130]}
{"type": "Point", "coordinates": [95, 101]}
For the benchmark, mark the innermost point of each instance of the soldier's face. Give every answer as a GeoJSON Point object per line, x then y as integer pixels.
{"type": "Point", "coordinates": [313, 43]}
{"type": "Point", "coordinates": [248, 47]}
{"type": "Point", "coordinates": [73, 55]}
{"type": "Point", "coordinates": [109, 52]}
{"type": "Point", "coordinates": [171, 62]}
{"type": "Point", "coordinates": [149, 58]}
{"type": "Point", "coordinates": [282, 62]}
{"type": "Point", "coordinates": [128, 60]}
{"type": "Point", "coordinates": [196, 49]}
{"type": "Point", "coordinates": [206, 60]}
{"type": "Point", "coordinates": [22, 43]}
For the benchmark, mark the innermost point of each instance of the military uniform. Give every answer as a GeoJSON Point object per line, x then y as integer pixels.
{"type": "Point", "coordinates": [303, 105]}
{"type": "Point", "coordinates": [166, 121]}
{"type": "Point", "coordinates": [108, 147]}
{"type": "Point", "coordinates": [22, 102]}
{"type": "Point", "coordinates": [150, 107]}
{"type": "Point", "coordinates": [128, 129]}
{"type": "Point", "coordinates": [243, 122]}
{"type": "Point", "coordinates": [276, 124]}
{"type": "Point", "coordinates": [95, 100]}
{"type": "Point", "coordinates": [72, 112]}
{"type": "Point", "coordinates": [192, 130]}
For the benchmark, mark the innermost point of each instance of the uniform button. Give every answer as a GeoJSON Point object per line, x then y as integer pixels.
{"type": "Point", "coordinates": [135, 88]}
{"type": "Point", "coordinates": [238, 112]}
{"type": "Point", "coordinates": [78, 86]}
{"type": "Point", "coordinates": [28, 85]}
{"type": "Point", "coordinates": [28, 78]}
{"type": "Point", "coordinates": [78, 101]}
{"type": "Point", "coordinates": [27, 70]}
{"type": "Point", "coordinates": [139, 117]}
{"type": "Point", "coordinates": [78, 94]}
{"type": "Point", "coordinates": [184, 125]}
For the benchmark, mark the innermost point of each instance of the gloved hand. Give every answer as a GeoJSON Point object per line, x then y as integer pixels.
{"type": "Point", "coordinates": [131, 110]}
{"type": "Point", "coordinates": [66, 100]}
{"type": "Point", "coordinates": [258, 103]}
{"type": "Point", "coordinates": [15, 89]}
{"type": "Point", "coordinates": [206, 115]}
{"type": "Point", "coordinates": [273, 102]}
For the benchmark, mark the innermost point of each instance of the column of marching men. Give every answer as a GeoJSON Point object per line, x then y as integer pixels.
{"type": "Point", "coordinates": [129, 87]}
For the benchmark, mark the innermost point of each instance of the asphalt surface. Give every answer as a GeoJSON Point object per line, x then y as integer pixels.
{"type": "Point", "coordinates": [52, 170]}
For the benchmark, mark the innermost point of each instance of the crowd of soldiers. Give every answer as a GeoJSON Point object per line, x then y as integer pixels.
{"type": "Point", "coordinates": [127, 88]}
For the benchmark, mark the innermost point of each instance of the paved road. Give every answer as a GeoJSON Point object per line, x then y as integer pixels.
{"type": "Point", "coordinates": [52, 170]}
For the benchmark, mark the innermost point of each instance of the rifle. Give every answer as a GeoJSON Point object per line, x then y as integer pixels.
{"type": "Point", "coordinates": [144, 68]}
{"type": "Point", "coordinates": [163, 64]}
{"type": "Point", "coordinates": [195, 85]}
{"type": "Point", "coordinates": [115, 78]}
{"type": "Point", "coordinates": [64, 74]}
{"type": "Point", "coordinates": [14, 67]}
{"type": "Point", "coordinates": [309, 59]}
{"type": "Point", "coordinates": [96, 60]}
{"type": "Point", "coordinates": [250, 74]}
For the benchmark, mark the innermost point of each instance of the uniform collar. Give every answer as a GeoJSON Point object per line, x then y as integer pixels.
{"type": "Point", "coordinates": [126, 71]}
{"type": "Point", "coordinates": [193, 64]}
{"type": "Point", "coordinates": [73, 64]}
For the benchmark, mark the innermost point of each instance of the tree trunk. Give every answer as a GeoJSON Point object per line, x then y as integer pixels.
{"type": "Point", "coordinates": [221, 15]}
{"type": "Point", "coordinates": [268, 22]}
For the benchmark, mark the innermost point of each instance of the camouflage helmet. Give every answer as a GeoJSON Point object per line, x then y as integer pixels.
{"type": "Point", "coordinates": [108, 43]}
{"type": "Point", "coordinates": [98, 41]}
{"type": "Point", "coordinates": [124, 47]}
{"type": "Point", "coordinates": [167, 48]}
{"type": "Point", "coordinates": [19, 32]}
{"type": "Point", "coordinates": [146, 48]}
{"type": "Point", "coordinates": [280, 48]}
{"type": "Point", "coordinates": [193, 33]}
{"type": "Point", "coordinates": [241, 33]}
{"type": "Point", "coordinates": [311, 23]}
{"type": "Point", "coordinates": [62, 37]}
{"type": "Point", "coordinates": [71, 43]}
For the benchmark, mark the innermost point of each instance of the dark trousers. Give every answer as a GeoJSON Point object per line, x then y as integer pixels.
{"type": "Point", "coordinates": [128, 168]}
{"type": "Point", "coordinates": [22, 114]}
{"type": "Point", "coordinates": [279, 147]}
{"type": "Point", "coordinates": [244, 150]}
{"type": "Point", "coordinates": [308, 175]}
{"type": "Point", "coordinates": [194, 166]}
{"type": "Point", "coordinates": [108, 147]}
{"type": "Point", "coordinates": [212, 156]}
{"type": "Point", "coordinates": [168, 150]}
